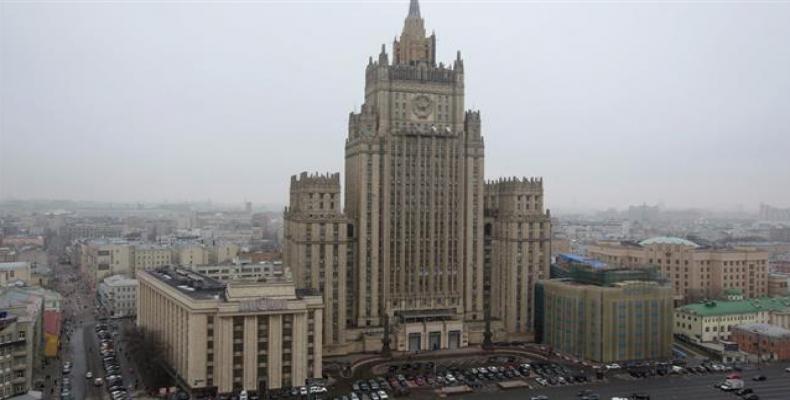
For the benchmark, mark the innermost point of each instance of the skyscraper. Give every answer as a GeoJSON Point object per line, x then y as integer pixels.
{"type": "Point", "coordinates": [414, 202]}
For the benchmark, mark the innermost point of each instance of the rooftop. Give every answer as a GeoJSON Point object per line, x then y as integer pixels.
{"type": "Point", "coordinates": [119, 280]}
{"type": "Point", "coordinates": [190, 283]}
{"type": "Point", "coordinates": [575, 258]}
{"type": "Point", "coordinates": [765, 329]}
{"type": "Point", "coordinates": [668, 240]}
{"type": "Point", "coordinates": [713, 308]}
{"type": "Point", "coordinates": [6, 266]}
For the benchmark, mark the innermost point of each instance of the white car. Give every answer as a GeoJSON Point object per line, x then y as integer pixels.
{"type": "Point", "coordinates": [613, 366]}
{"type": "Point", "coordinates": [787, 369]}
{"type": "Point", "coordinates": [383, 395]}
{"type": "Point", "coordinates": [89, 375]}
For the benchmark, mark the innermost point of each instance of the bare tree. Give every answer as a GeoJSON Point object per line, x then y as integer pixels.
{"type": "Point", "coordinates": [147, 351]}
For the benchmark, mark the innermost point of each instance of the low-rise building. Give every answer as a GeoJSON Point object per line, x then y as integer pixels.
{"type": "Point", "coordinates": [148, 256]}
{"type": "Point", "coordinates": [713, 320]}
{"type": "Point", "coordinates": [245, 270]}
{"type": "Point", "coordinates": [118, 295]}
{"type": "Point", "coordinates": [101, 258]}
{"type": "Point", "coordinates": [52, 314]}
{"type": "Point", "coordinates": [21, 340]}
{"type": "Point", "coordinates": [241, 335]}
{"type": "Point", "coordinates": [605, 314]}
{"type": "Point", "coordinates": [14, 357]}
{"type": "Point", "coordinates": [696, 272]}
{"type": "Point", "coordinates": [12, 273]}
{"type": "Point", "coordinates": [767, 342]}
{"type": "Point", "coordinates": [778, 284]}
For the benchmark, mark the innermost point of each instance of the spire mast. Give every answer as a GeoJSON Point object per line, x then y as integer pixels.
{"type": "Point", "coordinates": [414, 8]}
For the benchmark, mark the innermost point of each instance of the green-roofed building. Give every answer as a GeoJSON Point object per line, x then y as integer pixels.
{"type": "Point", "coordinates": [713, 320]}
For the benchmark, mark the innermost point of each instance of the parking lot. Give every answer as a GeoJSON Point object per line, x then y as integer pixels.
{"type": "Point", "coordinates": [476, 374]}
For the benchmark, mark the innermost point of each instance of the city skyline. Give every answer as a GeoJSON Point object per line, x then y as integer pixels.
{"type": "Point", "coordinates": [152, 102]}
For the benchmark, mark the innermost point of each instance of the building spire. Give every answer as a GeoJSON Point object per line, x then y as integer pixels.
{"type": "Point", "coordinates": [414, 8]}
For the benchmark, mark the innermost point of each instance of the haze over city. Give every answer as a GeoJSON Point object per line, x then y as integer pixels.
{"type": "Point", "coordinates": [612, 103]}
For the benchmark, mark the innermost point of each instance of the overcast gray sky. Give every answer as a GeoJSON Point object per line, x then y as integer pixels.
{"type": "Point", "coordinates": [613, 103]}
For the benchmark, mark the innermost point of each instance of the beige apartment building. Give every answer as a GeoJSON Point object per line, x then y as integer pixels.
{"type": "Point", "coordinates": [101, 258]}
{"type": "Point", "coordinates": [16, 333]}
{"type": "Point", "coordinates": [11, 272]}
{"type": "Point", "coordinates": [696, 272]}
{"type": "Point", "coordinates": [192, 254]}
{"type": "Point", "coordinates": [415, 271]}
{"type": "Point", "coordinates": [606, 315]}
{"type": "Point", "coordinates": [228, 337]}
{"type": "Point", "coordinates": [778, 284]}
{"type": "Point", "coordinates": [147, 256]}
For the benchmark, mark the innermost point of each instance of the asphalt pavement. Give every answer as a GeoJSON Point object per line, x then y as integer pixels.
{"type": "Point", "coordinates": [683, 387]}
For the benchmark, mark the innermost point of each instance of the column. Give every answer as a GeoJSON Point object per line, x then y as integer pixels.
{"type": "Point", "coordinates": [299, 349]}
{"type": "Point", "coordinates": [318, 316]}
{"type": "Point", "coordinates": [223, 354]}
{"type": "Point", "coordinates": [250, 356]}
{"type": "Point", "coordinates": [275, 352]}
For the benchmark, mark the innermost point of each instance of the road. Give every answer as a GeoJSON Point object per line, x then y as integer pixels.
{"type": "Point", "coordinates": [80, 344]}
{"type": "Point", "coordinates": [684, 387]}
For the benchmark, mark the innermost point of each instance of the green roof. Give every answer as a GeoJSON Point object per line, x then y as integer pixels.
{"type": "Point", "coordinates": [746, 306]}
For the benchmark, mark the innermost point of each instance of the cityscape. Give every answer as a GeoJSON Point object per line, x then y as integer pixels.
{"type": "Point", "coordinates": [411, 269]}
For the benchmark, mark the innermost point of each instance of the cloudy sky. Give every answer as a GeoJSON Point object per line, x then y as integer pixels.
{"type": "Point", "coordinates": [613, 103]}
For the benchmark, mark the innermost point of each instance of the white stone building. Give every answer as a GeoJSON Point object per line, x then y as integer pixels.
{"type": "Point", "coordinates": [118, 295]}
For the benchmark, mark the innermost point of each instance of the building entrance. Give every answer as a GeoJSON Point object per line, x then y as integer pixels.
{"type": "Point", "coordinates": [414, 341]}
{"type": "Point", "coordinates": [435, 340]}
{"type": "Point", "coordinates": [454, 339]}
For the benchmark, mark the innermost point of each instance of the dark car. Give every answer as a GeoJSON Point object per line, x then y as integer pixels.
{"type": "Point", "coordinates": [744, 392]}
{"type": "Point", "coordinates": [759, 378]}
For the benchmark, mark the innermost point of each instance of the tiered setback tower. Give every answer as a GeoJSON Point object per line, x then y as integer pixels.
{"type": "Point", "coordinates": [316, 248]}
{"type": "Point", "coordinates": [518, 250]}
{"type": "Point", "coordinates": [414, 185]}
{"type": "Point", "coordinates": [414, 200]}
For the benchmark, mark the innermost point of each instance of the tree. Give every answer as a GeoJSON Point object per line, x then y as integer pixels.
{"type": "Point", "coordinates": [147, 352]}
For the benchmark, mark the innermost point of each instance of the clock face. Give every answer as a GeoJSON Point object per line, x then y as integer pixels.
{"type": "Point", "coordinates": [422, 106]}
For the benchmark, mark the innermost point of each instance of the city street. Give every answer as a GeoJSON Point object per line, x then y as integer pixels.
{"type": "Point", "coordinates": [79, 342]}
{"type": "Point", "coordinates": [684, 387]}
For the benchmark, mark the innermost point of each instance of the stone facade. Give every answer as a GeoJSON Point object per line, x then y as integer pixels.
{"type": "Point", "coordinates": [517, 248]}
{"type": "Point", "coordinates": [410, 265]}
{"type": "Point", "coordinates": [118, 295]}
{"type": "Point", "coordinates": [223, 338]}
{"type": "Point", "coordinates": [696, 272]}
{"type": "Point", "coordinates": [316, 249]}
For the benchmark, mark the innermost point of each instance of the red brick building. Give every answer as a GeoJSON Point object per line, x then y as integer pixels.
{"type": "Point", "coordinates": [769, 342]}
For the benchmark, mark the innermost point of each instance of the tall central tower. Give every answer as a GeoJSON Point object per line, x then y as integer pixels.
{"type": "Point", "coordinates": [430, 255]}
{"type": "Point", "coordinates": [414, 191]}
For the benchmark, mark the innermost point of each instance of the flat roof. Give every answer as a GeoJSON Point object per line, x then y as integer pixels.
{"type": "Point", "coordinates": [190, 283]}
{"type": "Point", "coordinates": [746, 306]}
{"type": "Point", "coordinates": [14, 265]}
{"type": "Point", "coordinates": [765, 329]}
{"type": "Point", "coordinates": [591, 262]}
